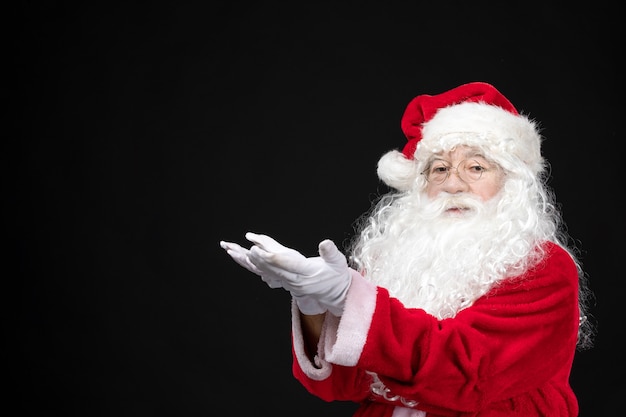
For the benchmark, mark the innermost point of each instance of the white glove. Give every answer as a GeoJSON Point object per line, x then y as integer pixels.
{"type": "Point", "coordinates": [240, 255]}
{"type": "Point", "coordinates": [306, 305]}
{"type": "Point", "coordinates": [325, 278]}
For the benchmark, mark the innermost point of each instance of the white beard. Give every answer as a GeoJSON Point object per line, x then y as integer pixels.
{"type": "Point", "coordinates": [443, 262]}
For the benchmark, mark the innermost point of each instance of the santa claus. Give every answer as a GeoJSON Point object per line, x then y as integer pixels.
{"type": "Point", "coordinates": [461, 295]}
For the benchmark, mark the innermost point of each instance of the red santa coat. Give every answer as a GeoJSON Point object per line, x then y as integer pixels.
{"type": "Point", "coordinates": [509, 354]}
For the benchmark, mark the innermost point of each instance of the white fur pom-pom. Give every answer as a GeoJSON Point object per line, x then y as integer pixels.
{"type": "Point", "coordinates": [395, 170]}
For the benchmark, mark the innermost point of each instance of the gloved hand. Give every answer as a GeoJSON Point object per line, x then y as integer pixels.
{"type": "Point", "coordinates": [325, 278]}
{"type": "Point", "coordinates": [240, 255]}
{"type": "Point", "coordinates": [307, 305]}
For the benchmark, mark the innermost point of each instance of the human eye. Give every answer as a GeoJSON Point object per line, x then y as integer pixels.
{"type": "Point", "coordinates": [439, 168]}
{"type": "Point", "coordinates": [437, 172]}
{"type": "Point", "coordinates": [473, 170]}
{"type": "Point", "coordinates": [475, 167]}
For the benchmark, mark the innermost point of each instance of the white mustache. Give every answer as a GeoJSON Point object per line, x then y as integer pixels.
{"type": "Point", "coordinates": [462, 202]}
{"type": "Point", "coordinates": [444, 202]}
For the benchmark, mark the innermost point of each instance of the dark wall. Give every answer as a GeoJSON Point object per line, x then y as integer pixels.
{"type": "Point", "coordinates": [147, 134]}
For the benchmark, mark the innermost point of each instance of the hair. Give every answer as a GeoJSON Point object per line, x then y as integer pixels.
{"type": "Point", "coordinates": [525, 214]}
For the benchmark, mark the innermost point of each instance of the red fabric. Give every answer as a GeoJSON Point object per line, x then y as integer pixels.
{"type": "Point", "coordinates": [423, 107]}
{"type": "Point", "coordinates": [510, 354]}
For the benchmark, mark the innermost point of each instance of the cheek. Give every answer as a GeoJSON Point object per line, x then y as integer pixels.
{"type": "Point", "coordinates": [488, 190]}
{"type": "Point", "coordinates": [431, 191]}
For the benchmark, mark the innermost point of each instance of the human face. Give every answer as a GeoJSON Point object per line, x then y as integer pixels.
{"type": "Point", "coordinates": [485, 188]}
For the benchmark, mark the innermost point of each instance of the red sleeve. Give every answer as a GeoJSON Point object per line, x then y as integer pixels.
{"type": "Point", "coordinates": [519, 337]}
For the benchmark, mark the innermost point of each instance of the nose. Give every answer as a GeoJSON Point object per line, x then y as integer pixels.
{"type": "Point", "coordinates": [454, 183]}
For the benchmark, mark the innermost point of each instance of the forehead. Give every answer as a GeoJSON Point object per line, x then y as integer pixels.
{"type": "Point", "coordinates": [459, 152]}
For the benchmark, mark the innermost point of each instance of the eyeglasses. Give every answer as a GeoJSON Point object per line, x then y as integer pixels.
{"type": "Point", "coordinates": [469, 170]}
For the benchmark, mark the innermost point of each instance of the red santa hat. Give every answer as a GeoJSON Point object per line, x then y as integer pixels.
{"type": "Point", "coordinates": [473, 114]}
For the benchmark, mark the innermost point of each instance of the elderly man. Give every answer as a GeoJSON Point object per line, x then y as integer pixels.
{"type": "Point", "coordinates": [462, 295]}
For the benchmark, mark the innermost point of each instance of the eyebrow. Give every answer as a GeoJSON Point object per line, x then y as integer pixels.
{"type": "Point", "coordinates": [470, 153]}
{"type": "Point", "coordinates": [474, 153]}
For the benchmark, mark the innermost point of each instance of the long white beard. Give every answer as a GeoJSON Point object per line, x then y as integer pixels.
{"type": "Point", "coordinates": [440, 262]}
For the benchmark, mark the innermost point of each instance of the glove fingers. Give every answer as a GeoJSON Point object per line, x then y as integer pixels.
{"type": "Point", "coordinates": [235, 251]}
{"type": "Point", "coordinates": [244, 261]}
{"type": "Point", "coordinates": [265, 242]}
{"type": "Point", "coordinates": [240, 255]}
{"type": "Point", "coordinates": [291, 261]}
{"type": "Point", "coordinates": [331, 254]}
{"type": "Point", "coordinates": [264, 262]}
{"type": "Point", "coordinates": [229, 246]}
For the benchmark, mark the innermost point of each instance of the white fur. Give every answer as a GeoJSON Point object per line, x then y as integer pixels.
{"type": "Point", "coordinates": [502, 135]}
{"type": "Point", "coordinates": [397, 171]}
{"type": "Point", "coordinates": [442, 264]}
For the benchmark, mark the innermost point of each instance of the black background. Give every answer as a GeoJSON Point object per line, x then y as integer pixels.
{"type": "Point", "coordinates": [147, 132]}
